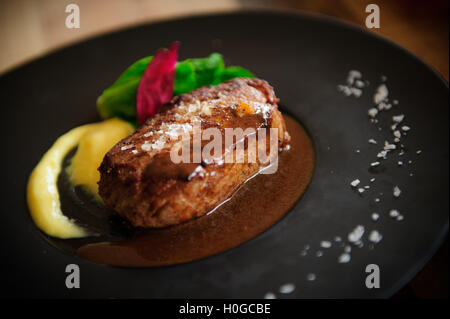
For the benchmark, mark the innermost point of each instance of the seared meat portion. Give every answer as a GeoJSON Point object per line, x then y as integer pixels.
{"type": "Point", "coordinates": [141, 182]}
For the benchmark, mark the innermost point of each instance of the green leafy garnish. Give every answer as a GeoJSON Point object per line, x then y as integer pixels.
{"type": "Point", "coordinates": [119, 100]}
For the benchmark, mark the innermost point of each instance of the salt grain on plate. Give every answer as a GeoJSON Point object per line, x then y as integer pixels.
{"type": "Point", "coordinates": [356, 234]}
{"type": "Point", "coordinates": [398, 118]}
{"type": "Point", "coordinates": [382, 154]}
{"type": "Point", "coordinates": [374, 164]}
{"type": "Point", "coordinates": [352, 76]}
{"type": "Point", "coordinates": [405, 128]}
{"type": "Point", "coordinates": [361, 190]}
{"type": "Point", "coordinates": [381, 94]}
{"type": "Point", "coordinates": [372, 141]}
{"type": "Point", "coordinates": [418, 152]}
{"type": "Point", "coordinates": [375, 236]}
{"type": "Point", "coordinates": [337, 239]}
{"type": "Point", "coordinates": [347, 249]}
{"type": "Point", "coordinates": [400, 218]}
{"type": "Point", "coordinates": [319, 253]}
{"type": "Point", "coordinates": [394, 213]}
{"type": "Point", "coordinates": [388, 146]}
{"type": "Point", "coordinates": [311, 277]}
{"type": "Point", "coordinates": [355, 182]}
{"type": "Point", "coordinates": [377, 200]}
{"type": "Point", "coordinates": [372, 179]}
{"type": "Point", "coordinates": [270, 295]}
{"type": "Point", "coordinates": [287, 288]}
{"type": "Point", "coordinates": [397, 134]}
{"type": "Point", "coordinates": [344, 258]}
{"type": "Point", "coordinates": [400, 163]}
{"type": "Point", "coordinates": [372, 112]}
{"type": "Point", "coordinates": [375, 217]}
{"type": "Point", "coordinates": [396, 191]}
{"type": "Point", "coordinates": [325, 244]}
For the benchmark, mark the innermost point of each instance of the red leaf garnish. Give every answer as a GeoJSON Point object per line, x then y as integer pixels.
{"type": "Point", "coordinates": [156, 86]}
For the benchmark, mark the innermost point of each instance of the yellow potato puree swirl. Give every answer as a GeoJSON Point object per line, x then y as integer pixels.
{"type": "Point", "coordinates": [93, 141]}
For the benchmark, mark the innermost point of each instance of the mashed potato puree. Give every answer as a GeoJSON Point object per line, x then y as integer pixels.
{"type": "Point", "coordinates": [93, 141]}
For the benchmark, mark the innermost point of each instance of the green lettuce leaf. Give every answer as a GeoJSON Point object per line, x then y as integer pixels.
{"type": "Point", "coordinates": [119, 100]}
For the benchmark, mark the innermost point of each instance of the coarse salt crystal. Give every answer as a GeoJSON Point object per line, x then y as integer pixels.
{"type": "Point", "coordinates": [344, 258]}
{"type": "Point", "coordinates": [287, 288]}
{"type": "Point", "coordinates": [356, 234]}
{"type": "Point", "coordinates": [374, 164]}
{"type": "Point", "coordinates": [396, 191]}
{"type": "Point", "coordinates": [394, 213]}
{"type": "Point", "coordinates": [398, 118]}
{"type": "Point", "coordinates": [355, 182]}
{"type": "Point", "coordinates": [311, 277]}
{"type": "Point", "coordinates": [146, 147]}
{"type": "Point", "coordinates": [381, 94]}
{"type": "Point", "coordinates": [325, 244]}
{"type": "Point", "coordinates": [270, 295]}
{"type": "Point", "coordinates": [375, 217]}
{"type": "Point", "coordinates": [126, 147]}
{"type": "Point", "coordinates": [375, 236]}
{"type": "Point", "coordinates": [372, 112]}
{"type": "Point", "coordinates": [406, 128]}
{"type": "Point", "coordinates": [382, 154]}
{"type": "Point", "coordinates": [372, 141]}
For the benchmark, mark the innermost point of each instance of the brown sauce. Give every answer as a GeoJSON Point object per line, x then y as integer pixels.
{"type": "Point", "coordinates": [255, 207]}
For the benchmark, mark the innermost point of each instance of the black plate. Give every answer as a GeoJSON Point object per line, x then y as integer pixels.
{"type": "Point", "coordinates": [304, 58]}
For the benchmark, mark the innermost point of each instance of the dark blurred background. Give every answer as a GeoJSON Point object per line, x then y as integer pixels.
{"type": "Point", "coordinates": [29, 28]}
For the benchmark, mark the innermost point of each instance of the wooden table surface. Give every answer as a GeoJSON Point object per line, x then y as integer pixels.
{"type": "Point", "coordinates": [30, 28]}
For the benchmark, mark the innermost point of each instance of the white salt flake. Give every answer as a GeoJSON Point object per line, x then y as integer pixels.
{"type": "Point", "coordinates": [344, 258]}
{"type": "Point", "coordinates": [287, 288]}
{"type": "Point", "coordinates": [355, 182]}
{"type": "Point", "coordinates": [398, 118]}
{"type": "Point", "coordinates": [356, 234]}
{"type": "Point", "coordinates": [372, 112]}
{"type": "Point", "coordinates": [396, 191]}
{"type": "Point", "coordinates": [419, 152]}
{"type": "Point", "coordinates": [352, 76]}
{"type": "Point", "coordinates": [394, 213]}
{"type": "Point", "coordinates": [381, 94]}
{"type": "Point", "coordinates": [372, 141]}
{"type": "Point", "coordinates": [406, 128]}
{"type": "Point", "coordinates": [311, 277]}
{"type": "Point", "coordinates": [361, 190]}
{"type": "Point", "coordinates": [397, 134]}
{"type": "Point", "coordinates": [375, 217]}
{"type": "Point", "coordinates": [325, 244]}
{"type": "Point", "coordinates": [270, 295]}
{"type": "Point", "coordinates": [372, 179]}
{"type": "Point", "coordinates": [374, 164]}
{"type": "Point", "coordinates": [375, 236]}
{"type": "Point", "coordinates": [126, 147]}
{"type": "Point", "coordinates": [382, 154]}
